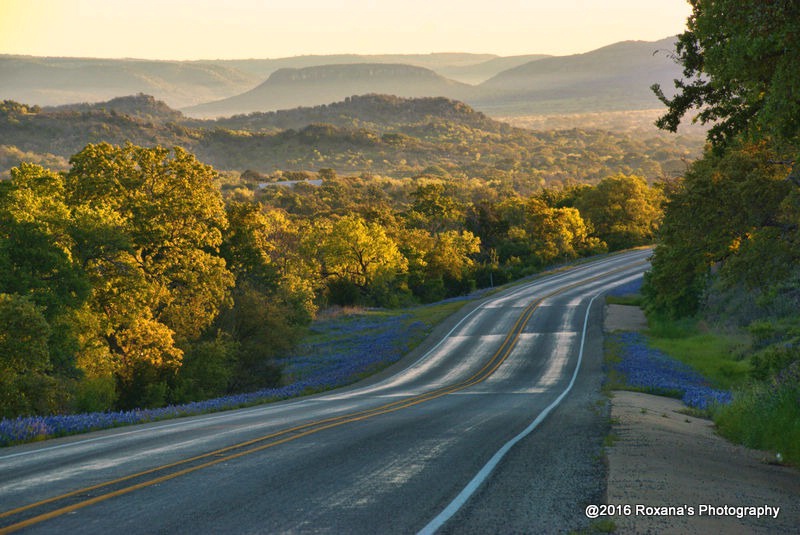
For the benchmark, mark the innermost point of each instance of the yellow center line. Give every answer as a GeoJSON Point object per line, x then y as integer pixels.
{"type": "Point", "coordinates": [292, 433]}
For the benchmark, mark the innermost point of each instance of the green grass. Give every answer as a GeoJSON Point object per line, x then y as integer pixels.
{"type": "Point", "coordinates": [765, 416]}
{"type": "Point", "coordinates": [431, 316]}
{"type": "Point", "coordinates": [722, 358]}
{"type": "Point", "coordinates": [434, 314]}
{"type": "Point", "coordinates": [614, 379]}
{"type": "Point", "coordinates": [598, 526]}
{"type": "Point", "coordinates": [629, 300]}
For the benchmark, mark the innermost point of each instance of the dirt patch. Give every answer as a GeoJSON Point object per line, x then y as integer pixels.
{"type": "Point", "coordinates": [624, 318]}
{"type": "Point", "coordinates": [661, 457]}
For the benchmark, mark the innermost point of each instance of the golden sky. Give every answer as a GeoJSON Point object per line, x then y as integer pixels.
{"type": "Point", "coordinates": [205, 29]}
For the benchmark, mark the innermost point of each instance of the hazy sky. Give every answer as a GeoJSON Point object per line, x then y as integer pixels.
{"type": "Point", "coordinates": [206, 29]}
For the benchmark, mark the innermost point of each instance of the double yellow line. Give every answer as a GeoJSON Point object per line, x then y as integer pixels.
{"type": "Point", "coordinates": [193, 464]}
{"type": "Point", "coordinates": [235, 451]}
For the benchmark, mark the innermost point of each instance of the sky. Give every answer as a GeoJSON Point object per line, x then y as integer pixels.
{"type": "Point", "coordinates": [239, 29]}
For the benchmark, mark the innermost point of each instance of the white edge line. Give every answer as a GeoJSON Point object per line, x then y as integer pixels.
{"type": "Point", "coordinates": [487, 469]}
{"type": "Point", "coordinates": [207, 417]}
{"type": "Point", "coordinates": [223, 415]}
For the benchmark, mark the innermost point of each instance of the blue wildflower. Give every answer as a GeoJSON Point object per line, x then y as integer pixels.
{"type": "Point", "coordinates": [653, 371]}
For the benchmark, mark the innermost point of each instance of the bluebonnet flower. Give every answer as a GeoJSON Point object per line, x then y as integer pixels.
{"type": "Point", "coordinates": [653, 371]}
{"type": "Point", "coordinates": [352, 348]}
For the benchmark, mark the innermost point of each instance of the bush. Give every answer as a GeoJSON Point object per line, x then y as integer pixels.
{"type": "Point", "coordinates": [773, 360]}
{"type": "Point", "coordinates": [343, 292]}
{"type": "Point", "coordinates": [206, 371]}
{"type": "Point", "coordinates": [97, 394]}
{"type": "Point", "coordinates": [766, 416]}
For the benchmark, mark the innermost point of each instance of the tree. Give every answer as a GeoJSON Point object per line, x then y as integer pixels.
{"type": "Point", "coordinates": [36, 262]}
{"type": "Point", "coordinates": [557, 233]}
{"type": "Point", "coordinates": [359, 253]}
{"type": "Point", "coordinates": [733, 211]}
{"type": "Point", "coordinates": [35, 241]}
{"type": "Point", "coordinates": [267, 250]}
{"type": "Point", "coordinates": [24, 357]}
{"type": "Point", "coordinates": [740, 62]}
{"type": "Point", "coordinates": [623, 210]}
{"type": "Point", "coordinates": [435, 208]}
{"type": "Point", "coordinates": [151, 225]}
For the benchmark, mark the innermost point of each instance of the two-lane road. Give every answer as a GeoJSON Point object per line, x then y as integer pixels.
{"type": "Point", "coordinates": [397, 456]}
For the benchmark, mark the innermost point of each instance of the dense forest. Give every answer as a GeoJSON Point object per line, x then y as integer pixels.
{"type": "Point", "coordinates": [132, 279]}
{"type": "Point", "coordinates": [729, 244]}
{"type": "Point", "coordinates": [369, 134]}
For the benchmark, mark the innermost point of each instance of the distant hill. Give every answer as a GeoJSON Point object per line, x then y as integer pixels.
{"type": "Point", "coordinates": [378, 113]}
{"type": "Point", "coordinates": [480, 72]}
{"type": "Point", "coordinates": [615, 77]}
{"type": "Point", "coordinates": [141, 106]}
{"type": "Point", "coordinates": [437, 62]}
{"type": "Point", "coordinates": [290, 88]}
{"type": "Point", "coordinates": [54, 81]}
{"type": "Point", "coordinates": [63, 132]}
{"type": "Point", "coordinates": [374, 134]}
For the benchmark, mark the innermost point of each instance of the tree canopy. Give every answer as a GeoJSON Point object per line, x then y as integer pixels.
{"type": "Point", "coordinates": [140, 284]}
{"type": "Point", "coordinates": [740, 62]}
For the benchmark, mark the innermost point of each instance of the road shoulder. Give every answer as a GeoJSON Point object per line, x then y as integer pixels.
{"type": "Point", "coordinates": [660, 457]}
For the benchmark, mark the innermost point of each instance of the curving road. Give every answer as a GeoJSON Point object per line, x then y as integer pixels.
{"type": "Point", "coordinates": [485, 432]}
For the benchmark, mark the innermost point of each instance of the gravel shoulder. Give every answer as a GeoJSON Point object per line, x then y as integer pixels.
{"type": "Point", "coordinates": [661, 457]}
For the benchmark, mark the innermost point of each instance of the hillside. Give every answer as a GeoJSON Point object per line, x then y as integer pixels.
{"type": "Point", "coordinates": [290, 88]}
{"type": "Point", "coordinates": [480, 72]}
{"type": "Point", "coordinates": [54, 81]}
{"type": "Point", "coordinates": [437, 62]}
{"type": "Point", "coordinates": [140, 106]}
{"type": "Point", "coordinates": [379, 113]}
{"type": "Point", "coordinates": [615, 77]}
{"type": "Point", "coordinates": [423, 134]}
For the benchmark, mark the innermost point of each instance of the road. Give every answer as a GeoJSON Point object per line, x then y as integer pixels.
{"type": "Point", "coordinates": [481, 433]}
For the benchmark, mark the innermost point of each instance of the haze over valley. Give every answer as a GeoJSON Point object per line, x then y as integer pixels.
{"type": "Point", "coordinates": [616, 77]}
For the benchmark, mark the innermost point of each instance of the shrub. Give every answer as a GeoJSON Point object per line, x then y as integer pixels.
{"type": "Point", "coordinates": [766, 416]}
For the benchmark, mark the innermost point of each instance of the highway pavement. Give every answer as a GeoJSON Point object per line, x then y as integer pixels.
{"type": "Point", "coordinates": [483, 432]}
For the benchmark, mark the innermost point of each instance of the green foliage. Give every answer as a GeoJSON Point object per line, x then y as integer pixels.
{"type": "Point", "coordinates": [740, 68]}
{"type": "Point", "coordinates": [733, 212]}
{"type": "Point", "coordinates": [24, 357]}
{"type": "Point", "coordinates": [622, 209]}
{"type": "Point", "coordinates": [170, 219]}
{"type": "Point", "coordinates": [207, 370]}
{"type": "Point", "coordinates": [361, 253]}
{"type": "Point", "coordinates": [258, 328]}
{"type": "Point", "coordinates": [153, 291]}
{"type": "Point", "coordinates": [721, 358]}
{"type": "Point", "coordinates": [96, 394]}
{"type": "Point", "coordinates": [400, 137]}
{"type": "Point", "coordinates": [765, 416]}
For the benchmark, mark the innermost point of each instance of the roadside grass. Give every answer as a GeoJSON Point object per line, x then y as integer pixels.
{"type": "Point", "coordinates": [721, 358]}
{"type": "Point", "coordinates": [700, 374]}
{"type": "Point", "coordinates": [765, 416]}
{"type": "Point", "coordinates": [761, 414]}
{"type": "Point", "coordinates": [628, 300]}
{"type": "Point", "coordinates": [352, 344]}
{"type": "Point", "coordinates": [598, 526]}
{"type": "Point", "coordinates": [614, 380]}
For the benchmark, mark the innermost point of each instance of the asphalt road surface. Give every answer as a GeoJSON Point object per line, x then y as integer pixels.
{"type": "Point", "coordinates": [493, 429]}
